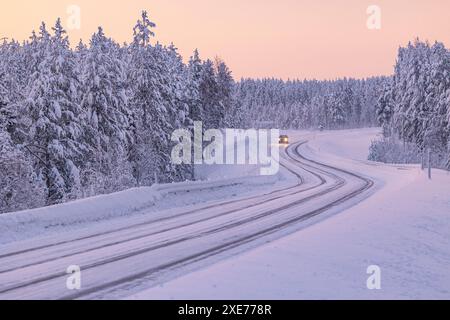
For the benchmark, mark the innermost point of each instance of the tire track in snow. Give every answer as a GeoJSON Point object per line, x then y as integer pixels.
{"type": "Point", "coordinates": [226, 246]}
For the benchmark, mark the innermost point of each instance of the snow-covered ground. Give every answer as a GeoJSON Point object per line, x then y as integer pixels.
{"type": "Point", "coordinates": [118, 256]}
{"type": "Point", "coordinates": [309, 232]}
{"type": "Point", "coordinates": [403, 228]}
{"type": "Point", "coordinates": [214, 183]}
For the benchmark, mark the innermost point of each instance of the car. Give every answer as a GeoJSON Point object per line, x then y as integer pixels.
{"type": "Point", "coordinates": [284, 139]}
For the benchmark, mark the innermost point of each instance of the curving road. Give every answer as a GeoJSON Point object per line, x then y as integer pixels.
{"type": "Point", "coordinates": [133, 257]}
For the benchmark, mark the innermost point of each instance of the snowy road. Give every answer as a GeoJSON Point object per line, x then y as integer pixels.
{"type": "Point", "coordinates": [133, 257]}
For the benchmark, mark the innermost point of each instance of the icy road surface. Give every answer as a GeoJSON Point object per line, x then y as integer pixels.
{"type": "Point", "coordinates": [117, 261]}
{"type": "Point", "coordinates": [404, 229]}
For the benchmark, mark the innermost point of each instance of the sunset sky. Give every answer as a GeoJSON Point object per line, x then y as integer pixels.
{"type": "Point", "coordinates": [321, 39]}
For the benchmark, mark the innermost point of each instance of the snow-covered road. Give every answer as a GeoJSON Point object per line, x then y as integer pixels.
{"type": "Point", "coordinates": [403, 229]}
{"type": "Point", "coordinates": [118, 260]}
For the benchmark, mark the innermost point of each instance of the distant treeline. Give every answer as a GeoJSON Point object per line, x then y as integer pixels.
{"type": "Point", "coordinates": [345, 103]}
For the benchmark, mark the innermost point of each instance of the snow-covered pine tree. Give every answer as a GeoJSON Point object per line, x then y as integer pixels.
{"type": "Point", "coordinates": [336, 108]}
{"type": "Point", "coordinates": [213, 111]}
{"type": "Point", "coordinates": [151, 116]}
{"type": "Point", "coordinates": [435, 128]}
{"type": "Point", "coordinates": [410, 106]}
{"type": "Point", "coordinates": [105, 106]}
{"type": "Point", "coordinates": [55, 115]}
{"type": "Point", "coordinates": [182, 96]}
{"type": "Point", "coordinates": [235, 116]}
{"type": "Point", "coordinates": [20, 188]}
{"type": "Point", "coordinates": [193, 87]}
{"type": "Point", "coordinates": [385, 109]}
{"type": "Point", "coordinates": [225, 83]}
{"type": "Point", "coordinates": [143, 30]}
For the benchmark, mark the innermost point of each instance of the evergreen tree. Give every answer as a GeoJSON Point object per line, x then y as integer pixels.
{"type": "Point", "coordinates": [53, 106]}
{"type": "Point", "coordinates": [193, 87]}
{"type": "Point", "coordinates": [151, 117]}
{"type": "Point", "coordinates": [105, 105]}
{"type": "Point", "coordinates": [225, 83]}
{"type": "Point", "coordinates": [143, 30]}
{"type": "Point", "coordinates": [19, 187]}
{"type": "Point", "coordinates": [385, 109]}
{"type": "Point", "coordinates": [213, 111]}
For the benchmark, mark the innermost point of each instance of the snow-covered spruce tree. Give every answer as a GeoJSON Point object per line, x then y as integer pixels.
{"type": "Point", "coordinates": [14, 66]}
{"type": "Point", "coordinates": [143, 30]}
{"type": "Point", "coordinates": [8, 116]}
{"type": "Point", "coordinates": [336, 107]}
{"type": "Point", "coordinates": [52, 103]}
{"type": "Point", "coordinates": [20, 188]}
{"type": "Point", "coordinates": [241, 103]}
{"type": "Point", "coordinates": [436, 127]}
{"type": "Point", "coordinates": [105, 106]}
{"type": "Point", "coordinates": [235, 116]}
{"type": "Point", "coordinates": [193, 87]}
{"type": "Point", "coordinates": [385, 109]}
{"type": "Point", "coordinates": [152, 108]}
{"type": "Point", "coordinates": [213, 109]}
{"type": "Point", "coordinates": [225, 83]}
{"type": "Point", "coordinates": [179, 107]}
{"type": "Point", "coordinates": [410, 106]}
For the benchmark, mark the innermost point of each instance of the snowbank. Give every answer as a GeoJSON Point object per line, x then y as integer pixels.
{"type": "Point", "coordinates": [108, 209]}
{"type": "Point", "coordinates": [29, 222]}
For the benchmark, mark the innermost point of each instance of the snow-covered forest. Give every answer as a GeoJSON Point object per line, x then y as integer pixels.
{"type": "Point", "coordinates": [99, 118]}
{"type": "Point", "coordinates": [414, 108]}
{"type": "Point", "coordinates": [344, 103]}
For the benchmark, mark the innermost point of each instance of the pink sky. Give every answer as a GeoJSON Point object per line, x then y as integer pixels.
{"type": "Point", "coordinates": [320, 39]}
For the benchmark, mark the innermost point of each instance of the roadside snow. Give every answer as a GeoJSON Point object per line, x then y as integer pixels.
{"type": "Point", "coordinates": [348, 144]}
{"type": "Point", "coordinates": [403, 229]}
{"type": "Point", "coordinates": [19, 225]}
{"type": "Point", "coordinates": [96, 214]}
